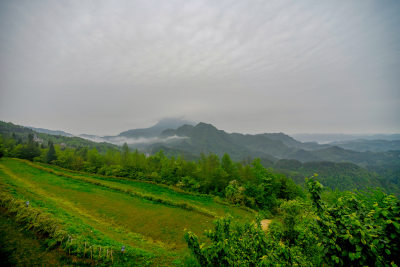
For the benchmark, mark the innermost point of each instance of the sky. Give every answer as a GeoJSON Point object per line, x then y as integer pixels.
{"type": "Point", "coordinates": [102, 67]}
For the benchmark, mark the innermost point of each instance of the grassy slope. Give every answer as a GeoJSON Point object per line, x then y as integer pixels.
{"type": "Point", "coordinates": [22, 248]}
{"type": "Point", "coordinates": [160, 191]}
{"type": "Point", "coordinates": [107, 216]}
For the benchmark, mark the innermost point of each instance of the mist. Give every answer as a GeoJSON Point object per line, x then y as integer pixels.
{"type": "Point", "coordinates": [120, 140]}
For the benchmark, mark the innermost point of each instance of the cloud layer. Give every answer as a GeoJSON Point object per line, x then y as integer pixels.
{"type": "Point", "coordinates": [249, 66]}
{"type": "Point", "coordinates": [120, 140]}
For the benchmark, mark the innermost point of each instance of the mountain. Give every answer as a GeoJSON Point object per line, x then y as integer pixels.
{"type": "Point", "coordinates": [157, 129]}
{"type": "Point", "coordinates": [183, 137]}
{"type": "Point", "coordinates": [94, 138]}
{"type": "Point", "coordinates": [329, 138]}
{"type": "Point", "coordinates": [338, 167]}
{"type": "Point", "coordinates": [52, 132]}
{"type": "Point", "coordinates": [341, 176]}
{"type": "Point", "coordinates": [142, 138]}
{"type": "Point", "coordinates": [17, 132]}
{"type": "Point", "coordinates": [363, 145]}
{"type": "Point", "coordinates": [206, 138]}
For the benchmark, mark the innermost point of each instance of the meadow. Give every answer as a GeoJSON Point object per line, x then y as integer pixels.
{"type": "Point", "coordinates": [99, 214]}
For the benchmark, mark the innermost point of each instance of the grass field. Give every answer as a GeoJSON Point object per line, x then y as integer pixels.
{"type": "Point", "coordinates": [106, 211]}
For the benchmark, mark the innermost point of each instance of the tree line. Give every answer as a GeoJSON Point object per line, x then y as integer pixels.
{"type": "Point", "coordinates": [243, 183]}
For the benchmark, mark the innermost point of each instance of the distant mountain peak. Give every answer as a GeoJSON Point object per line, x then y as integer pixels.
{"type": "Point", "coordinates": [158, 128]}
{"type": "Point", "coordinates": [172, 123]}
{"type": "Point", "coordinates": [51, 132]}
{"type": "Point", "coordinates": [205, 125]}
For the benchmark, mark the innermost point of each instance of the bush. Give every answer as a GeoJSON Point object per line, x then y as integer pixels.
{"type": "Point", "coordinates": [359, 228]}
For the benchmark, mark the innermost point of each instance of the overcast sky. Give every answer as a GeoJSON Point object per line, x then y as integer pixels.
{"type": "Point", "coordinates": [101, 67]}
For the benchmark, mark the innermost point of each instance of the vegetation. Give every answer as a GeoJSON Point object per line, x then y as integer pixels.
{"type": "Point", "coordinates": [249, 184]}
{"type": "Point", "coordinates": [106, 213]}
{"type": "Point", "coordinates": [341, 176]}
{"type": "Point", "coordinates": [20, 247]}
{"type": "Point", "coordinates": [12, 135]}
{"type": "Point", "coordinates": [119, 207]}
{"type": "Point", "coordinates": [337, 168]}
{"type": "Point", "coordinates": [355, 229]}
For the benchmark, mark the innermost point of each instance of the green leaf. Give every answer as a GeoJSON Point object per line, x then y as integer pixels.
{"type": "Point", "coordinates": [352, 256]}
{"type": "Point", "coordinates": [397, 225]}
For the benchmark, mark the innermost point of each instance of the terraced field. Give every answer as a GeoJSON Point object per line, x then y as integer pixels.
{"type": "Point", "coordinates": [108, 212]}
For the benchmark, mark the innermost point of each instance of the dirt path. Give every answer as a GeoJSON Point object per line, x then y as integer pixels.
{"type": "Point", "coordinates": [264, 224]}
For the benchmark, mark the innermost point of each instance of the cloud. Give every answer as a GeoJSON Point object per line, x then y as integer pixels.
{"type": "Point", "coordinates": [120, 140]}
{"type": "Point", "coordinates": [249, 66]}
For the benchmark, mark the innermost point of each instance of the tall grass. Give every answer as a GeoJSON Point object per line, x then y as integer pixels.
{"type": "Point", "coordinates": [50, 228]}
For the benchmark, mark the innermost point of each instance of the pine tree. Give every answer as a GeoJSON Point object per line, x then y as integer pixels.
{"type": "Point", "coordinates": [51, 154]}
{"type": "Point", "coordinates": [125, 154]}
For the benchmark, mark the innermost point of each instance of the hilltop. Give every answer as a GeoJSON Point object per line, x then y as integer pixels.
{"type": "Point", "coordinates": [348, 168]}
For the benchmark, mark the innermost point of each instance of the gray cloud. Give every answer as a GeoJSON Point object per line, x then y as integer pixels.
{"type": "Point", "coordinates": [249, 66]}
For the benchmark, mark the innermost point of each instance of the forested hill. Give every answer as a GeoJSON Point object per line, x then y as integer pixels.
{"type": "Point", "coordinates": [157, 129]}
{"type": "Point", "coordinates": [369, 145]}
{"type": "Point", "coordinates": [341, 176]}
{"type": "Point", "coordinates": [273, 146]}
{"type": "Point", "coordinates": [20, 134]}
{"type": "Point", "coordinates": [51, 132]}
{"type": "Point", "coordinates": [338, 168]}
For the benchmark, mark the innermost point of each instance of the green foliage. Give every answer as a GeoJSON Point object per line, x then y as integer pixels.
{"type": "Point", "coordinates": [234, 193]}
{"type": "Point", "coordinates": [15, 134]}
{"type": "Point", "coordinates": [253, 185]}
{"type": "Point", "coordinates": [353, 229]}
{"type": "Point", "coordinates": [45, 225]}
{"type": "Point", "coordinates": [358, 228]}
{"type": "Point", "coordinates": [246, 244]}
{"type": "Point", "coordinates": [51, 153]}
{"type": "Point", "coordinates": [27, 151]}
{"type": "Point", "coordinates": [232, 244]}
{"type": "Point", "coordinates": [349, 229]}
{"type": "Point", "coordinates": [344, 175]}
{"type": "Point", "coordinates": [108, 211]}
{"type": "Point", "coordinates": [150, 197]}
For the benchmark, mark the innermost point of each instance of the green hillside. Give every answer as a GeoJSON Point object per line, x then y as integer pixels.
{"type": "Point", "coordinates": [20, 134]}
{"type": "Point", "coordinates": [107, 212]}
{"type": "Point", "coordinates": [340, 176]}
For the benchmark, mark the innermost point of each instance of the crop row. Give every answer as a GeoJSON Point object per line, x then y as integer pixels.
{"type": "Point", "coordinates": [170, 187]}
{"type": "Point", "coordinates": [131, 192]}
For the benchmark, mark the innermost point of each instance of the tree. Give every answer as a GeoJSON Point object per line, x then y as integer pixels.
{"type": "Point", "coordinates": [125, 154]}
{"type": "Point", "coordinates": [246, 244]}
{"type": "Point", "coordinates": [358, 229]}
{"type": "Point", "coordinates": [1, 147]}
{"type": "Point", "coordinates": [51, 153]}
{"type": "Point", "coordinates": [234, 193]}
{"type": "Point", "coordinates": [28, 151]}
